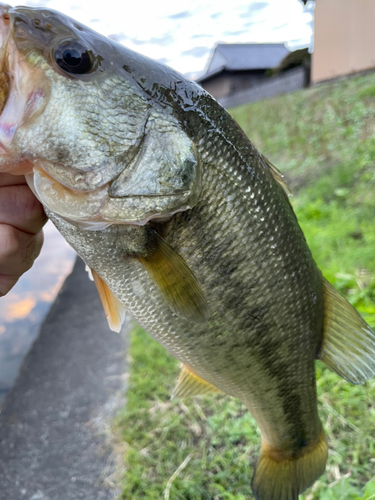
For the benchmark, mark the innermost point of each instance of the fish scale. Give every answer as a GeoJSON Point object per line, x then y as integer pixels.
{"type": "Point", "coordinates": [219, 225]}
{"type": "Point", "coordinates": [242, 337]}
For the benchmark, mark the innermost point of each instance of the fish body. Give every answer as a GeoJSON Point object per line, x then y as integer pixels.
{"type": "Point", "coordinates": [185, 225]}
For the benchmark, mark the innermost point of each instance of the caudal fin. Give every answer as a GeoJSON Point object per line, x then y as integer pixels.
{"type": "Point", "coordinates": [281, 475]}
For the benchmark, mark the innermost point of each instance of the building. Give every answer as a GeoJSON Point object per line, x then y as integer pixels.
{"type": "Point", "coordinates": [237, 67]}
{"type": "Point", "coordinates": [344, 38]}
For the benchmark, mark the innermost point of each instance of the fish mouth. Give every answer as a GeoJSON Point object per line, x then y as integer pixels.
{"type": "Point", "coordinates": [96, 210]}
{"type": "Point", "coordinates": [5, 77]}
{"type": "Point", "coordinates": [4, 35]}
{"type": "Point", "coordinates": [24, 93]}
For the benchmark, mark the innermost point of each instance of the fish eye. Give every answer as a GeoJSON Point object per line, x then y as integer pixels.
{"type": "Point", "coordinates": [74, 58]}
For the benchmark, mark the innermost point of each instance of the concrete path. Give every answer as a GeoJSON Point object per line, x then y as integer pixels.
{"type": "Point", "coordinates": [55, 442]}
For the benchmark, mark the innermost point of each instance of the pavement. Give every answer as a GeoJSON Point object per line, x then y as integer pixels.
{"type": "Point", "coordinates": [55, 436]}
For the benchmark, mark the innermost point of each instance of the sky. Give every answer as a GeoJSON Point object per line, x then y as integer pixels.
{"type": "Point", "coordinates": [183, 34]}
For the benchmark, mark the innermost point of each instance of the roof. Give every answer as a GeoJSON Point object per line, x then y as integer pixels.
{"type": "Point", "coordinates": [245, 56]}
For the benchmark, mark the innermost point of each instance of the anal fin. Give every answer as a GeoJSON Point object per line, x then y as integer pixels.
{"type": "Point", "coordinates": [190, 384]}
{"type": "Point", "coordinates": [348, 346]}
{"type": "Point", "coordinates": [115, 312]}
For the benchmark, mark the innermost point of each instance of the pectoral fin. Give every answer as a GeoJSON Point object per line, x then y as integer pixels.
{"type": "Point", "coordinates": [115, 312]}
{"type": "Point", "coordinates": [349, 343]}
{"type": "Point", "coordinates": [175, 280]}
{"type": "Point", "coordinates": [190, 384]}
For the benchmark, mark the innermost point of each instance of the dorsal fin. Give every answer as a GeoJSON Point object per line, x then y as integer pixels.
{"type": "Point", "coordinates": [175, 280]}
{"type": "Point", "coordinates": [190, 384]}
{"type": "Point", "coordinates": [278, 176]}
{"type": "Point", "coordinates": [115, 312]}
{"type": "Point", "coordinates": [348, 346]}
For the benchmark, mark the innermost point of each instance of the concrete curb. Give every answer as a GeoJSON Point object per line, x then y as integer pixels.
{"type": "Point", "coordinates": [55, 442]}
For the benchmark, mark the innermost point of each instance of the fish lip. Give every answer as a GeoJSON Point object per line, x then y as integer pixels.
{"type": "Point", "coordinates": [101, 224]}
{"type": "Point", "coordinates": [99, 218]}
{"type": "Point", "coordinates": [5, 24]}
{"type": "Point", "coordinates": [24, 91]}
{"type": "Point", "coordinates": [3, 150]}
{"type": "Point", "coordinates": [5, 32]}
{"type": "Point", "coordinates": [152, 195]}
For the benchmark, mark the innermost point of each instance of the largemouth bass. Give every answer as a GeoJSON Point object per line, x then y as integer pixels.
{"type": "Point", "coordinates": [184, 224]}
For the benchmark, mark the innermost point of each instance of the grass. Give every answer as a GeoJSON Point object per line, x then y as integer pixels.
{"type": "Point", "coordinates": [205, 448]}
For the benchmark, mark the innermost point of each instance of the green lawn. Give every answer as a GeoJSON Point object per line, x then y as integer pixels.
{"type": "Point", "coordinates": [204, 448]}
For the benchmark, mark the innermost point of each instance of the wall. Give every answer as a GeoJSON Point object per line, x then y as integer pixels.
{"type": "Point", "coordinates": [228, 83]}
{"type": "Point", "coordinates": [289, 81]}
{"type": "Point", "coordinates": [344, 38]}
{"type": "Point", "coordinates": [217, 87]}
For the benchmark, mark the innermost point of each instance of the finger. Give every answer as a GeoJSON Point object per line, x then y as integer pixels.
{"type": "Point", "coordinates": [7, 283]}
{"type": "Point", "coordinates": [11, 180]}
{"type": "Point", "coordinates": [17, 168]}
{"type": "Point", "coordinates": [20, 208]}
{"type": "Point", "coordinates": [18, 250]}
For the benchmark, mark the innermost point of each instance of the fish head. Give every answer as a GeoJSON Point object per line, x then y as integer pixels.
{"type": "Point", "coordinates": [95, 147]}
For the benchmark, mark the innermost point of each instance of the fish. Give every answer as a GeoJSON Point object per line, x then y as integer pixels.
{"type": "Point", "coordinates": [183, 224]}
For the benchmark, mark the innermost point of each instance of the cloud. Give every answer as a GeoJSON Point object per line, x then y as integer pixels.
{"type": "Point", "coordinates": [201, 36]}
{"type": "Point", "coordinates": [180, 15]}
{"type": "Point", "coordinates": [196, 52]}
{"type": "Point", "coordinates": [259, 5]}
{"type": "Point", "coordinates": [235, 33]}
{"type": "Point", "coordinates": [164, 60]}
{"type": "Point", "coordinates": [281, 26]}
{"type": "Point", "coordinates": [36, 3]}
{"type": "Point", "coordinates": [216, 15]}
{"type": "Point", "coordinates": [249, 24]}
{"type": "Point", "coordinates": [162, 41]}
{"type": "Point", "coordinates": [117, 37]}
{"type": "Point", "coordinates": [252, 8]}
{"type": "Point", "coordinates": [20, 309]}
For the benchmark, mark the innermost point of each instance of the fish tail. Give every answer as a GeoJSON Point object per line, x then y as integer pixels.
{"type": "Point", "coordinates": [283, 475]}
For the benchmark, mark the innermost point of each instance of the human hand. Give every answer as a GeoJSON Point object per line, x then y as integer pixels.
{"type": "Point", "coordinates": [21, 237]}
